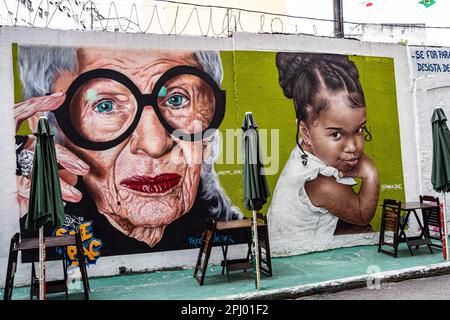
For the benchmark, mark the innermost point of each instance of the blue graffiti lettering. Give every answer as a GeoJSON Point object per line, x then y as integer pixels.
{"type": "Point", "coordinates": [194, 242]}
{"type": "Point", "coordinates": [91, 245]}
{"type": "Point", "coordinates": [429, 67]}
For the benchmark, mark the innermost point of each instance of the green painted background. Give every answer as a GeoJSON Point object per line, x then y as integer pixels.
{"type": "Point", "coordinates": [251, 82]}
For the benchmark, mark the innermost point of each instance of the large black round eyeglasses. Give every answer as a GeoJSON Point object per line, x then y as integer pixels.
{"type": "Point", "coordinates": [103, 107]}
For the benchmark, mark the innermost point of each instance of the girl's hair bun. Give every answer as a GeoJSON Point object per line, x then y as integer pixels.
{"type": "Point", "coordinates": [294, 65]}
{"type": "Point", "coordinates": [304, 76]}
{"type": "Point", "coordinates": [290, 66]}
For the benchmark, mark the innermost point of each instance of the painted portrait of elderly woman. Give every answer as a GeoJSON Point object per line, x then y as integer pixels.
{"type": "Point", "coordinates": [136, 135]}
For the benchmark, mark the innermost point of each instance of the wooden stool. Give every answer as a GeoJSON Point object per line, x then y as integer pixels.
{"type": "Point", "coordinates": [50, 242]}
{"type": "Point", "coordinates": [214, 228]}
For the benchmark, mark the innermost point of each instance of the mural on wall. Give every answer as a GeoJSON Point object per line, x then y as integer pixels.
{"type": "Point", "coordinates": [314, 199]}
{"type": "Point", "coordinates": [137, 135]}
{"type": "Point", "coordinates": [342, 103]}
{"type": "Point", "coordinates": [148, 143]}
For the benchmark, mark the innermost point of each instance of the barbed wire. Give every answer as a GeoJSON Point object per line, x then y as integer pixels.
{"type": "Point", "coordinates": [167, 17]}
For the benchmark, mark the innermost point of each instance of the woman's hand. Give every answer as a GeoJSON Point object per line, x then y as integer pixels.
{"type": "Point", "coordinates": [70, 166]}
{"type": "Point", "coordinates": [35, 106]}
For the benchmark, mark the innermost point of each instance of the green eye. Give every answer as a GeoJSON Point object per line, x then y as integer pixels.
{"type": "Point", "coordinates": [105, 106]}
{"type": "Point", "coordinates": [176, 100]}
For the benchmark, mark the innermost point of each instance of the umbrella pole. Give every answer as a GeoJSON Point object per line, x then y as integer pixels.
{"type": "Point", "coordinates": [445, 244]}
{"type": "Point", "coordinates": [41, 264]}
{"type": "Point", "coordinates": [256, 249]}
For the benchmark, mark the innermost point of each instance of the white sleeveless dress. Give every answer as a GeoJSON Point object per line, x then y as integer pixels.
{"type": "Point", "coordinates": [297, 226]}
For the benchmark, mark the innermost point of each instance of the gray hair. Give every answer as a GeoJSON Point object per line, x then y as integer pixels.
{"type": "Point", "coordinates": [211, 188]}
{"type": "Point", "coordinates": [40, 64]}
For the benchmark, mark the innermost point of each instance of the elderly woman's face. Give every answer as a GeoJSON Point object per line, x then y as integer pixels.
{"type": "Point", "coordinates": [150, 179]}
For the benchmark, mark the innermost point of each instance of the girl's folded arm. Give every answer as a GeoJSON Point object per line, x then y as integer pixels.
{"type": "Point", "coordinates": [342, 201]}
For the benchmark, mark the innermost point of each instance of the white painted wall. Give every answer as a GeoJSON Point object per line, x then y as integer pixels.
{"type": "Point", "coordinates": [430, 80]}
{"type": "Point", "coordinates": [9, 210]}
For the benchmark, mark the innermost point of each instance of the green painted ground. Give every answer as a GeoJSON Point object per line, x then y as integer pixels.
{"type": "Point", "coordinates": [288, 272]}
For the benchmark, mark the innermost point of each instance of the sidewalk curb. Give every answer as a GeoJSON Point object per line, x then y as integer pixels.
{"type": "Point", "coordinates": [343, 284]}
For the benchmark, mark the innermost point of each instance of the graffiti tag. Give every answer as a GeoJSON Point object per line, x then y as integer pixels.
{"type": "Point", "coordinates": [91, 245]}
{"type": "Point", "coordinates": [391, 187]}
{"type": "Point", "coordinates": [218, 239]}
{"type": "Point", "coordinates": [229, 172]}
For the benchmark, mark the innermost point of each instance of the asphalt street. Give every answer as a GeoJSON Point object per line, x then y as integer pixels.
{"type": "Point", "coordinates": [432, 288]}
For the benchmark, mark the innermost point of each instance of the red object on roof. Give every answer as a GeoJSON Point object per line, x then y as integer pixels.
{"type": "Point", "coordinates": [368, 4]}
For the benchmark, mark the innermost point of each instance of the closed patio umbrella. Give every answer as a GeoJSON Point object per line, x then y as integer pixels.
{"type": "Point", "coordinates": [440, 172]}
{"type": "Point", "coordinates": [46, 205]}
{"type": "Point", "coordinates": [256, 190]}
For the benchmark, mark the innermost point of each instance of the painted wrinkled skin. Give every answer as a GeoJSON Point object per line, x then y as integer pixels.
{"type": "Point", "coordinates": [150, 151]}
{"type": "Point", "coordinates": [150, 179]}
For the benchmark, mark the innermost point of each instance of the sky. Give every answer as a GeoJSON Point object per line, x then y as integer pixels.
{"type": "Point", "coordinates": [403, 11]}
{"type": "Point", "coordinates": [382, 11]}
{"type": "Point", "coordinates": [374, 11]}
{"type": "Point", "coordinates": [397, 11]}
{"type": "Point", "coordinates": [368, 11]}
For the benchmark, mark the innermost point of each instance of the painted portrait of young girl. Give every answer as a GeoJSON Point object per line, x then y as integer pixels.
{"type": "Point", "coordinates": [315, 203]}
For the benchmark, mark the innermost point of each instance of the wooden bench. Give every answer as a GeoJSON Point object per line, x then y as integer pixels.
{"type": "Point", "coordinates": [29, 244]}
{"type": "Point", "coordinates": [222, 228]}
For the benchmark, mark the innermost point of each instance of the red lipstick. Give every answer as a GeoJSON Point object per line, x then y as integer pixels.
{"type": "Point", "coordinates": [157, 184]}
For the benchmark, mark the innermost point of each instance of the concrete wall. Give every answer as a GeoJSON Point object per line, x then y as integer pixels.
{"type": "Point", "coordinates": [430, 84]}
{"type": "Point", "coordinates": [408, 33]}
{"type": "Point", "coordinates": [407, 113]}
